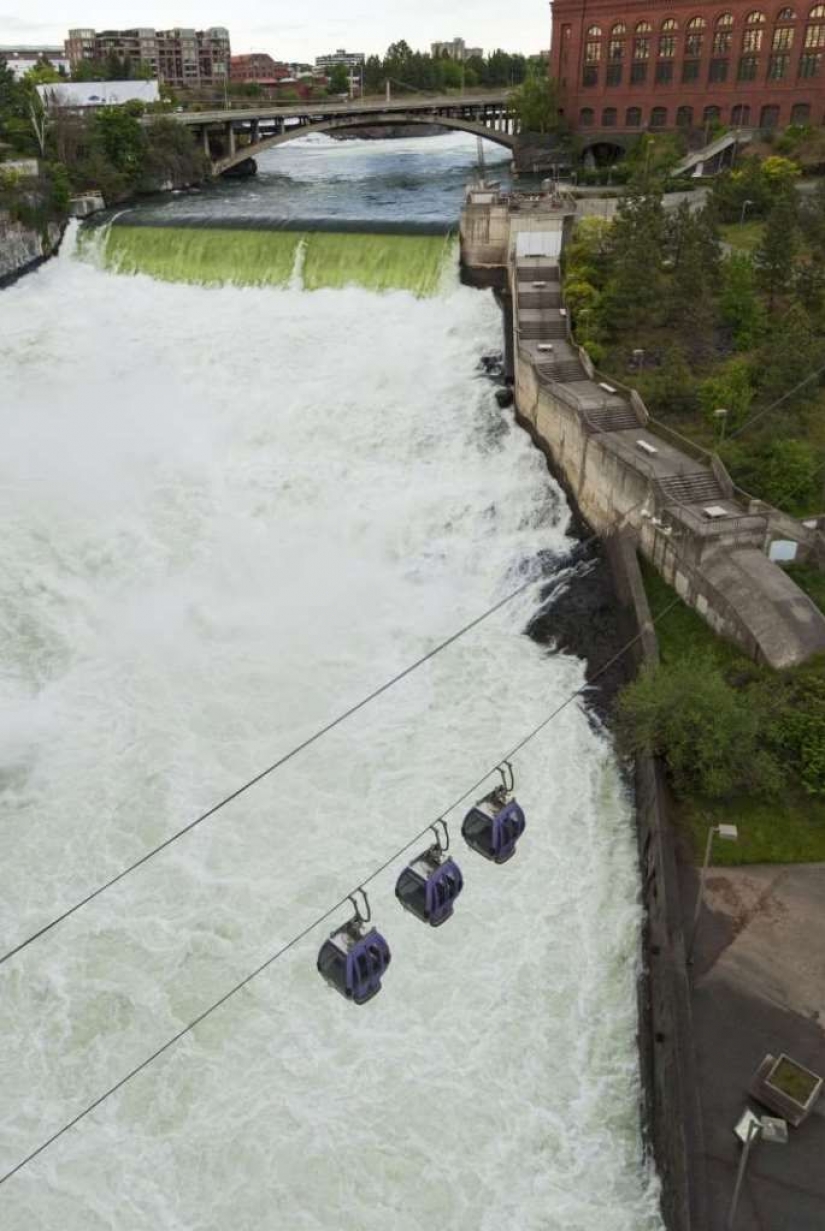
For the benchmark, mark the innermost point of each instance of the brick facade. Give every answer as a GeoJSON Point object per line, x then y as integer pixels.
{"type": "Point", "coordinates": [668, 65]}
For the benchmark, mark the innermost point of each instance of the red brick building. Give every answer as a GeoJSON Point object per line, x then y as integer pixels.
{"type": "Point", "coordinates": [680, 64]}
{"type": "Point", "coordinates": [257, 67]}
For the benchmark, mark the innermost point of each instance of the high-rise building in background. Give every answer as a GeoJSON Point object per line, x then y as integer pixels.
{"type": "Point", "coordinates": [180, 57]}
{"type": "Point", "coordinates": [352, 61]}
{"type": "Point", "coordinates": [688, 65]}
{"type": "Point", "coordinates": [456, 49]}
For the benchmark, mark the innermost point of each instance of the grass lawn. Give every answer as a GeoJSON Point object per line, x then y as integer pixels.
{"type": "Point", "coordinates": [743, 236]}
{"type": "Point", "coordinates": [790, 829]}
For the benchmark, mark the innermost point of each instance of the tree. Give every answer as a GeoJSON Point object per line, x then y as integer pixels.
{"type": "Point", "coordinates": [791, 352]}
{"type": "Point", "coordinates": [730, 388]}
{"type": "Point", "coordinates": [536, 105]}
{"type": "Point", "coordinates": [777, 251]}
{"type": "Point", "coordinates": [693, 246]}
{"type": "Point", "coordinates": [43, 73]}
{"type": "Point", "coordinates": [635, 290]}
{"type": "Point", "coordinates": [740, 306]}
{"type": "Point", "coordinates": [706, 729]}
{"type": "Point", "coordinates": [339, 79]}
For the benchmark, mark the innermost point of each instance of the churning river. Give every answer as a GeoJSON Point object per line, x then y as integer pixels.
{"type": "Point", "coordinates": [228, 512]}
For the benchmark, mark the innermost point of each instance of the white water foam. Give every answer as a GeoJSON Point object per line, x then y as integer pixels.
{"type": "Point", "coordinates": [227, 515]}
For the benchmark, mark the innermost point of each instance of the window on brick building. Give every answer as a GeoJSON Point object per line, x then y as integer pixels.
{"type": "Point", "coordinates": [724, 22]}
{"type": "Point", "coordinates": [594, 32]}
{"type": "Point", "coordinates": [752, 41]}
{"type": "Point", "coordinates": [590, 76]}
{"type": "Point", "coordinates": [769, 117]}
{"type": "Point", "coordinates": [643, 27]}
{"type": "Point", "coordinates": [690, 70]}
{"type": "Point", "coordinates": [592, 53]}
{"type": "Point", "coordinates": [619, 29]}
{"type": "Point", "coordinates": [722, 42]}
{"type": "Point", "coordinates": [664, 72]}
{"type": "Point", "coordinates": [586, 117]}
{"type": "Point", "coordinates": [641, 49]}
{"type": "Point", "coordinates": [756, 18]}
{"type": "Point", "coordinates": [748, 68]}
{"type": "Point", "coordinates": [718, 70]}
{"type": "Point", "coordinates": [609, 117]}
{"type": "Point", "coordinates": [633, 117]}
{"type": "Point", "coordinates": [669, 25]}
{"type": "Point", "coordinates": [786, 15]}
{"type": "Point", "coordinates": [800, 113]}
{"type": "Point", "coordinates": [638, 74]}
{"type": "Point", "coordinates": [710, 114]}
{"type": "Point", "coordinates": [778, 66]}
{"type": "Point", "coordinates": [810, 64]}
{"type": "Point", "coordinates": [658, 117]}
{"type": "Point", "coordinates": [815, 36]}
{"type": "Point", "coordinates": [783, 38]}
{"type": "Point", "coordinates": [684, 117]}
{"type": "Point", "coordinates": [614, 74]}
{"type": "Point", "coordinates": [740, 115]}
{"type": "Point", "coordinates": [693, 45]}
{"type": "Point", "coordinates": [697, 23]}
{"type": "Point", "coordinates": [667, 46]}
{"type": "Point", "coordinates": [615, 49]}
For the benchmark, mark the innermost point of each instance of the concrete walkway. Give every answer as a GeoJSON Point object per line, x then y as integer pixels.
{"type": "Point", "coordinates": [758, 987]}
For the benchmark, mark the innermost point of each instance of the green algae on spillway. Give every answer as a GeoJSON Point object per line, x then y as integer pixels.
{"type": "Point", "coordinates": [248, 257]}
{"type": "Point", "coordinates": [378, 262]}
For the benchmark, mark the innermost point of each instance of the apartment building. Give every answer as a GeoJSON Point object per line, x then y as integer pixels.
{"type": "Point", "coordinates": [179, 57]}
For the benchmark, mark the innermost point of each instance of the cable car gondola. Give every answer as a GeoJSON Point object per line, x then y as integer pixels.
{"type": "Point", "coordinates": [494, 825]}
{"type": "Point", "coordinates": [429, 885]}
{"type": "Point", "coordinates": [355, 957]}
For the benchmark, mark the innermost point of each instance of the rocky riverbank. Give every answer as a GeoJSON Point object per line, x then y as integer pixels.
{"type": "Point", "coordinates": [23, 249]}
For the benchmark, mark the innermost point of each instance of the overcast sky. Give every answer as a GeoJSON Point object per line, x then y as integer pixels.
{"type": "Point", "coordinates": [304, 31]}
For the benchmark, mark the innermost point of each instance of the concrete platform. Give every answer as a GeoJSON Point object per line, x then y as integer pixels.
{"type": "Point", "coordinates": [758, 987]}
{"type": "Point", "coordinates": [785, 623]}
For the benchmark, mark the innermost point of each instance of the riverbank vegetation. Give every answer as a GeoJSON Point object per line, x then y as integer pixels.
{"type": "Point", "coordinates": [109, 151]}
{"type": "Point", "coordinates": [742, 743]}
{"type": "Point", "coordinates": [697, 327]}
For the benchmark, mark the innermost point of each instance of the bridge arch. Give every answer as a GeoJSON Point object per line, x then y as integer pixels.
{"type": "Point", "coordinates": [474, 127]}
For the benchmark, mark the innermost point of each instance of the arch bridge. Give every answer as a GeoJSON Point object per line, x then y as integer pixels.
{"type": "Point", "coordinates": [229, 138]}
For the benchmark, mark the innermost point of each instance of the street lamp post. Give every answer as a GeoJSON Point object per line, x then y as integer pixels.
{"type": "Point", "coordinates": [745, 205]}
{"type": "Point", "coordinates": [750, 1130]}
{"type": "Point", "coordinates": [721, 416]}
{"type": "Point", "coordinates": [638, 358]}
{"type": "Point", "coordinates": [728, 833]}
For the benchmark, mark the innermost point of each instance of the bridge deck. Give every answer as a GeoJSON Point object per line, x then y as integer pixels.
{"type": "Point", "coordinates": [434, 103]}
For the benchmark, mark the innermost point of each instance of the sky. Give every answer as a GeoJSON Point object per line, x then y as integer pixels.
{"type": "Point", "coordinates": [305, 31]}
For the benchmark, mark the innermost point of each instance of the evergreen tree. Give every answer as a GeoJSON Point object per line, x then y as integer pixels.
{"type": "Point", "coordinates": [694, 278]}
{"type": "Point", "coordinates": [776, 253]}
{"type": "Point", "coordinates": [740, 305]}
{"type": "Point", "coordinates": [790, 353]}
{"type": "Point", "coordinates": [635, 290]}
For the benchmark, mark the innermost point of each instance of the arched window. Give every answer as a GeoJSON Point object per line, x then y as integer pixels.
{"type": "Point", "coordinates": [740, 115]}
{"type": "Point", "coordinates": [615, 49]}
{"type": "Point", "coordinates": [658, 117]}
{"type": "Point", "coordinates": [594, 32]}
{"type": "Point", "coordinates": [609, 117]}
{"type": "Point", "coordinates": [586, 117]}
{"type": "Point", "coordinates": [815, 32]}
{"type": "Point", "coordinates": [786, 15]}
{"type": "Point", "coordinates": [756, 18]}
{"type": "Point", "coordinates": [711, 113]}
{"type": "Point", "coordinates": [684, 117]}
{"type": "Point", "coordinates": [817, 13]}
{"type": "Point", "coordinates": [725, 21]}
{"type": "Point", "coordinates": [619, 29]}
{"type": "Point", "coordinates": [697, 23]}
{"type": "Point", "coordinates": [769, 117]}
{"type": "Point", "coordinates": [801, 113]}
{"type": "Point", "coordinates": [643, 27]}
{"type": "Point", "coordinates": [633, 118]}
{"type": "Point", "coordinates": [669, 25]}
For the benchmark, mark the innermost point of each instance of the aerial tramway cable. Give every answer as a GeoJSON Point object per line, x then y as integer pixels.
{"type": "Point", "coordinates": [290, 944]}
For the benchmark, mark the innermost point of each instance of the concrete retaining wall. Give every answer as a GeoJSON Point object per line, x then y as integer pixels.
{"type": "Point", "coordinates": [671, 1112]}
